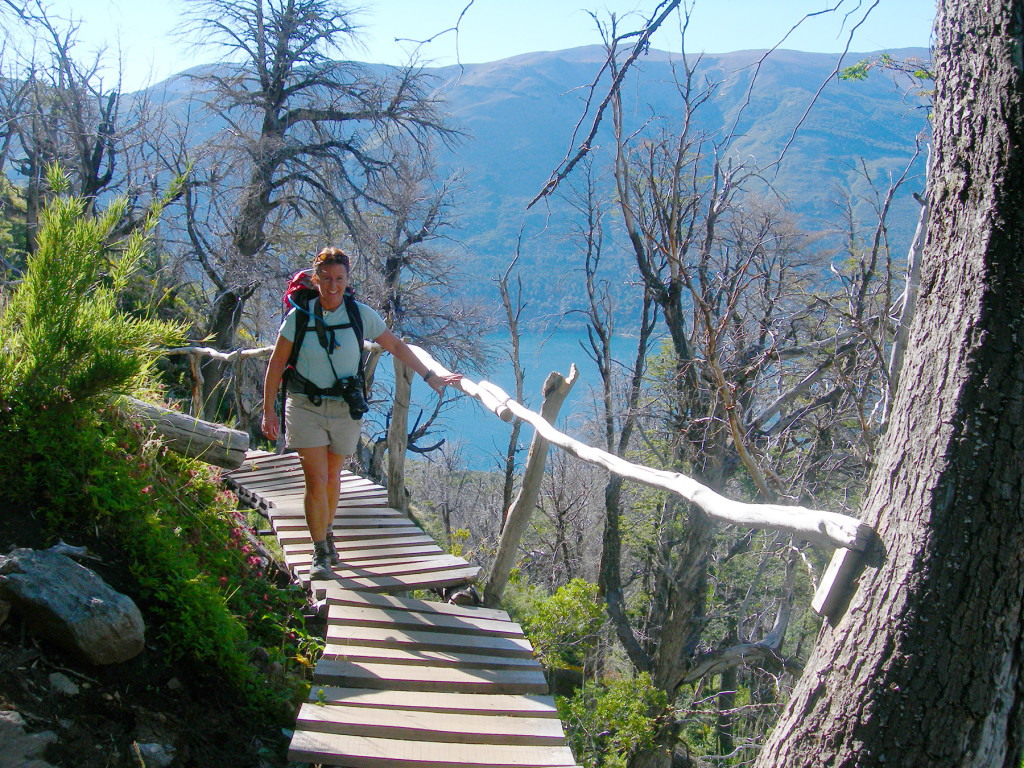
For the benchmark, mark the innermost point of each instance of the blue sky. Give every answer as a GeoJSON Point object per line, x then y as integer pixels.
{"type": "Point", "coordinates": [496, 29]}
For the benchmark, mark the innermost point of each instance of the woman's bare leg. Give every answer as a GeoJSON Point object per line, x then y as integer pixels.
{"type": "Point", "coordinates": [315, 501]}
{"type": "Point", "coordinates": [335, 464]}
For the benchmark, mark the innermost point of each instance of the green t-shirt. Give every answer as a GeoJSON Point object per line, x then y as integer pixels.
{"type": "Point", "coordinates": [313, 363]}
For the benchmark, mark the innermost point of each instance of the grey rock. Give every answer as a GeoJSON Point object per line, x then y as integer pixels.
{"type": "Point", "coordinates": [23, 750]}
{"type": "Point", "coordinates": [156, 755]}
{"type": "Point", "coordinates": [11, 717]}
{"type": "Point", "coordinates": [71, 606]}
{"type": "Point", "coordinates": [61, 683]}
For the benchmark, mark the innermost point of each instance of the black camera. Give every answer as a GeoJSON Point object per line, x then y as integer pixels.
{"type": "Point", "coordinates": [354, 395]}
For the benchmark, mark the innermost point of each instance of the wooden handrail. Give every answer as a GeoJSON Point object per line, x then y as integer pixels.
{"type": "Point", "coordinates": [817, 526]}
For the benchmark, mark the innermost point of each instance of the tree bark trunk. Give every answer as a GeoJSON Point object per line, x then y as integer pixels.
{"type": "Point", "coordinates": [227, 314]}
{"type": "Point", "coordinates": [924, 668]}
{"type": "Point", "coordinates": [556, 389]}
{"type": "Point", "coordinates": [398, 437]}
{"type": "Point", "coordinates": [213, 443]}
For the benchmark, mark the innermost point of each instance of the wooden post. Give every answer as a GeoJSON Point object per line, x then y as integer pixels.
{"type": "Point", "coordinates": [195, 365]}
{"type": "Point", "coordinates": [556, 389]}
{"type": "Point", "coordinates": [398, 437]}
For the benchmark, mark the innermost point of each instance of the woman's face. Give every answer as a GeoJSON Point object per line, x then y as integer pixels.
{"type": "Point", "coordinates": [331, 282]}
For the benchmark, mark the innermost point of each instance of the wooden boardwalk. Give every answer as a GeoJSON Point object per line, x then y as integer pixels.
{"type": "Point", "coordinates": [404, 682]}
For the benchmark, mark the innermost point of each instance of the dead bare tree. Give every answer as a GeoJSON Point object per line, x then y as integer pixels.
{"type": "Point", "coordinates": [729, 276]}
{"type": "Point", "coordinates": [309, 132]}
{"type": "Point", "coordinates": [56, 109]}
{"type": "Point", "coordinates": [514, 306]}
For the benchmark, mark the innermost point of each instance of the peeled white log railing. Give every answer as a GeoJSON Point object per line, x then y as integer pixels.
{"type": "Point", "coordinates": [816, 526]}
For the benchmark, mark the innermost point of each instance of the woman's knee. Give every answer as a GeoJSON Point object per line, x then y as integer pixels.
{"type": "Point", "coordinates": [315, 469]}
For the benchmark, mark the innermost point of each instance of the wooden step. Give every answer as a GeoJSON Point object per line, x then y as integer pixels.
{"type": "Point", "coordinates": [462, 659]}
{"type": "Point", "coordinates": [498, 704]}
{"type": "Point", "coordinates": [396, 553]}
{"type": "Point", "coordinates": [298, 513]}
{"type": "Point", "coordinates": [423, 622]}
{"type": "Point", "coordinates": [392, 637]}
{"type": "Point", "coordinates": [430, 561]}
{"type": "Point", "coordinates": [338, 596]}
{"type": "Point", "coordinates": [288, 523]}
{"type": "Point", "coordinates": [410, 677]}
{"type": "Point", "coordinates": [361, 752]}
{"type": "Point", "coordinates": [416, 576]}
{"type": "Point", "coordinates": [428, 726]}
{"type": "Point", "coordinates": [456, 577]}
{"type": "Point", "coordinates": [408, 529]}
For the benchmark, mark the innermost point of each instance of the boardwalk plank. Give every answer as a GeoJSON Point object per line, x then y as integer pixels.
{"type": "Point", "coordinates": [297, 512]}
{"type": "Point", "coordinates": [338, 596]}
{"type": "Point", "coordinates": [392, 637]}
{"type": "Point", "coordinates": [424, 622]}
{"type": "Point", "coordinates": [379, 542]}
{"type": "Point", "coordinates": [294, 523]}
{"type": "Point", "coordinates": [296, 536]}
{"type": "Point", "coordinates": [426, 563]}
{"type": "Point", "coordinates": [361, 752]}
{"type": "Point", "coordinates": [397, 552]}
{"type": "Point", "coordinates": [343, 522]}
{"type": "Point", "coordinates": [497, 704]}
{"type": "Point", "coordinates": [429, 561]}
{"type": "Point", "coordinates": [400, 578]}
{"type": "Point", "coordinates": [427, 726]}
{"type": "Point", "coordinates": [409, 677]}
{"type": "Point", "coordinates": [371, 560]}
{"type": "Point", "coordinates": [423, 657]}
{"type": "Point", "coordinates": [296, 489]}
{"type": "Point", "coordinates": [455, 577]}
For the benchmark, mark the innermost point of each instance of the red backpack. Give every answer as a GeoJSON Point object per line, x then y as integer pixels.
{"type": "Point", "coordinates": [300, 291]}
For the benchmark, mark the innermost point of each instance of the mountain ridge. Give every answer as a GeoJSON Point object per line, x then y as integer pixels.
{"type": "Point", "coordinates": [519, 114]}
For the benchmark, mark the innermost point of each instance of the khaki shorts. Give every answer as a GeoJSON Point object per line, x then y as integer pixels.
{"type": "Point", "coordinates": [314, 426]}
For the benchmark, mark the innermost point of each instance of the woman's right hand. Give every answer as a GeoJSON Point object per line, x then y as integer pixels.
{"type": "Point", "coordinates": [271, 427]}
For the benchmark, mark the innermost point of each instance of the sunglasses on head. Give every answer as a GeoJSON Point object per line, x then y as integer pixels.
{"type": "Point", "coordinates": [331, 258]}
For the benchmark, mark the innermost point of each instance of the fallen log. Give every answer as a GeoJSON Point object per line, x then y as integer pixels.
{"type": "Point", "coordinates": [213, 443]}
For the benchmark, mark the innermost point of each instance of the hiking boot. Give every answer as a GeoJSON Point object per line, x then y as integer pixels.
{"type": "Point", "coordinates": [321, 569]}
{"type": "Point", "coordinates": [332, 551]}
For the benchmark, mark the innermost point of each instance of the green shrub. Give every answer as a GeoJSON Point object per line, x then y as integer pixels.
{"type": "Point", "coordinates": [608, 722]}
{"type": "Point", "coordinates": [565, 627]}
{"type": "Point", "coordinates": [66, 351]}
{"type": "Point", "coordinates": [64, 340]}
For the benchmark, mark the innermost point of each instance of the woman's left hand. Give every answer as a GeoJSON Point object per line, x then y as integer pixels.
{"type": "Point", "coordinates": [438, 382]}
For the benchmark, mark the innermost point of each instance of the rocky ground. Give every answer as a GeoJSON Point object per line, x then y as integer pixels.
{"type": "Point", "coordinates": [55, 711]}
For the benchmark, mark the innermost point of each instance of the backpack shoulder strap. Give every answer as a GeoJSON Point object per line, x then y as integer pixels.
{"type": "Point", "coordinates": [301, 323]}
{"type": "Point", "coordinates": [356, 318]}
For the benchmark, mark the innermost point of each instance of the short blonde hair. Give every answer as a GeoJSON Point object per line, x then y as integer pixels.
{"type": "Point", "coordinates": [331, 255]}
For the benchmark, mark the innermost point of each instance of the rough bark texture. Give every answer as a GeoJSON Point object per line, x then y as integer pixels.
{"type": "Point", "coordinates": [517, 519]}
{"type": "Point", "coordinates": [398, 437]}
{"type": "Point", "coordinates": [924, 667]}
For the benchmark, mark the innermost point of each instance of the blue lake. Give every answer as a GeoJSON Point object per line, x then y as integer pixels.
{"type": "Point", "coordinates": [482, 436]}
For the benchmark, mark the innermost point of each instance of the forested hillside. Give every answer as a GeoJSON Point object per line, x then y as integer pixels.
{"type": "Point", "coordinates": [520, 114]}
{"type": "Point", "coordinates": [517, 117]}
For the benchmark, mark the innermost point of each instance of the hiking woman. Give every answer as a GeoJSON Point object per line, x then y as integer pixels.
{"type": "Point", "coordinates": [324, 401]}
